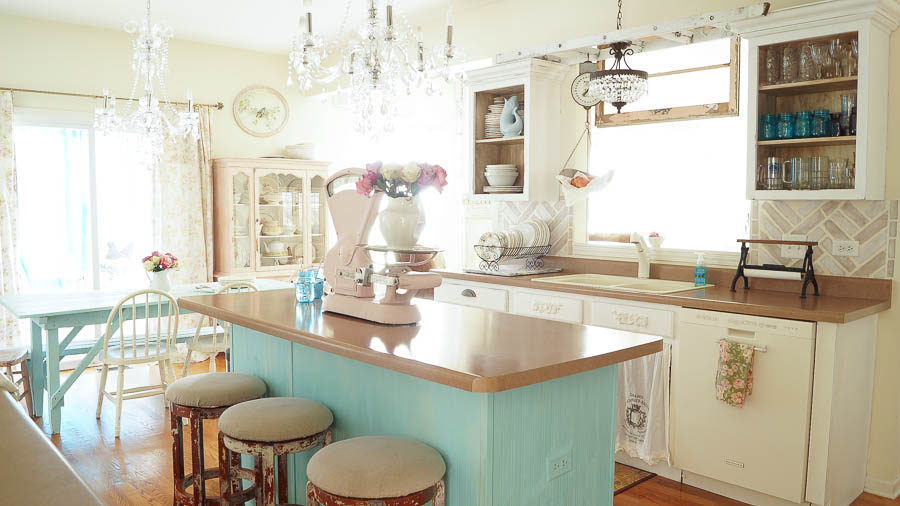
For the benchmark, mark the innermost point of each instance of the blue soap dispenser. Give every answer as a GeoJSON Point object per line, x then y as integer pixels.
{"type": "Point", "coordinates": [700, 271]}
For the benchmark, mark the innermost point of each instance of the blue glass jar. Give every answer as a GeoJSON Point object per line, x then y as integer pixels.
{"type": "Point", "coordinates": [802, 124]}
{"type": "Point", "coordinates": [820, 124]}
{"type": "Point", "coordinates": [767, 127]}
{"type": "Point", "coordinates": [306, 286]}
{"type": "Point", "coordinates": [318, 285]}
{"type": "Point", "coordinates": [784, 129]}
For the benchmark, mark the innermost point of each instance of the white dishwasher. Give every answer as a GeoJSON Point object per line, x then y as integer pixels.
{"type": "Point", "coordinates": [764, 445]}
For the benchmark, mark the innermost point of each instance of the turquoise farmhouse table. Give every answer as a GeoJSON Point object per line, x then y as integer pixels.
{"type": "Point", "coordinates": [522, 409]}
{"type": "Point", "coordinates": [75, 310]}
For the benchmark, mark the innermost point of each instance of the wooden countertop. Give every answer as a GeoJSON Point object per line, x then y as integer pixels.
{"type": "Point", "coordinates": [777, 304]}
{"type": "Point", "coordinates": [467, 348]}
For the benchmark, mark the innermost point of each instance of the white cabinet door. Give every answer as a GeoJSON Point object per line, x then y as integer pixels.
{"type": "Point", "coordinates": [762, 446]}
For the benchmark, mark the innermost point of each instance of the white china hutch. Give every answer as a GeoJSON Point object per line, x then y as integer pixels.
{"type": "Point", "coordinates": [270, 217]}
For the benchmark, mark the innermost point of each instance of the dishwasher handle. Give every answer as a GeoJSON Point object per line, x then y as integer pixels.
{"type": "Point", "coordinates": [745, 335]}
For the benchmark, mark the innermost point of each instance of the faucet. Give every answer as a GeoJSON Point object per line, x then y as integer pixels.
{"type": "Point", "coordinates": [643, 261]}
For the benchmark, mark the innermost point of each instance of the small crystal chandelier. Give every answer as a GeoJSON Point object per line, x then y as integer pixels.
{"type": "Point", "coordinates": [617, 85]}
{"type": "Point", "coordinates": [150, 63]}
{"type": "Point", "coordinates": [385, 61]}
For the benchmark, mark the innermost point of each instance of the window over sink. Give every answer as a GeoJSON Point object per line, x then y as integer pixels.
{"type": "Point", "coordinates": [682, 179]}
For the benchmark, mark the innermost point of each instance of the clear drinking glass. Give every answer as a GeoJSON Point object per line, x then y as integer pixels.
{"type": "Point", "coordinates": [790, 64]}
{"type": "Point", "coordinates": [818, 53]}
{"type": "Point", "coordinates": [853, 59]}
{"type": "Point", "coordinates": [818, 170]}
{"type": "Point", "coordinates": [773, 64]}
{"type": "Point", "coordinates": [837, 52]}
{"type": "Point", "coordinates": [807, 66]}
{"type": "Point", "coordinates": [839, 174]}
{"type": "Point", "coordinates": [773, 173]}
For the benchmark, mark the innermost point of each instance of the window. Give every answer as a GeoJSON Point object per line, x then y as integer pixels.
{"type": "Point", "coordinates": [84, 209]}
{"type": "Point", "coordinates": [682, 179]}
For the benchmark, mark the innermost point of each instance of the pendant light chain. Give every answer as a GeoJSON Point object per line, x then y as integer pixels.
{"type": "Point", "coordinates": [619, 18]}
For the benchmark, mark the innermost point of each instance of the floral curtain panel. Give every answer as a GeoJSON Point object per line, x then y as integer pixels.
{"type": "Point", "coordinates": [9, 274]}
{"type": "Point", "coordinates": [182, 217]}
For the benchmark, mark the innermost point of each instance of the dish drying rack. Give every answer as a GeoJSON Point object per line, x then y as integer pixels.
{"type": "Point", "coordinates": [492, 256]}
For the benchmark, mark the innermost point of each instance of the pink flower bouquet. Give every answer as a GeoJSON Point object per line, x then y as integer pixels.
{"type": "Point", "coordinates": [397, 180]}
{"type": "Point", "coordinates": [157, 262]}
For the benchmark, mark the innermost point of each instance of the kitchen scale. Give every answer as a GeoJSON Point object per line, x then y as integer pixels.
{"type": "Point", "coordinates": [348, 265]}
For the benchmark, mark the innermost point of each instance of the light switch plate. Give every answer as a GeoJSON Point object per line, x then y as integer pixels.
{"type": "Point", "coordinates": [790, 251]}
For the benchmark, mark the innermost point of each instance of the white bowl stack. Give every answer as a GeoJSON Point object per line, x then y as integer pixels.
{"type": "Point", "coordinates": [302, 151]}
{"type": "Point", "coordinates": [502, 178]}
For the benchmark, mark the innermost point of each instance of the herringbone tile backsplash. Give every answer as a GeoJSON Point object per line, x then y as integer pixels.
{"type": "Point", "coordinates": [872, 223]}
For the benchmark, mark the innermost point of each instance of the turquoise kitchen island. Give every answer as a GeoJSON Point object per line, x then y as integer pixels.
{"type": "Point", "coordinates": [521, 409]}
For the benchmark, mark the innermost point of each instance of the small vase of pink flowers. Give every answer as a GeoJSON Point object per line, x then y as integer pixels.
{"type": "Point", "coordinates": [403, 219]}
{"type": "Point", "coordinates": [158, 265]}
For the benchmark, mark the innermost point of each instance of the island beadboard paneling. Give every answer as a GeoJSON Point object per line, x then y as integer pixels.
{"type": "Point", "coordinates": [873, 223]}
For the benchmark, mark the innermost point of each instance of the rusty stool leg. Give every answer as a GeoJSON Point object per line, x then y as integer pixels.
{"type": "Point", "coordinates": [177, 453]}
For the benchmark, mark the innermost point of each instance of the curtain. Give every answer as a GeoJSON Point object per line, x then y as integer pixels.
{"type": "Point", "coordinates": [9, 273]}
{"type": "Point", "coordinates": [182, 217]}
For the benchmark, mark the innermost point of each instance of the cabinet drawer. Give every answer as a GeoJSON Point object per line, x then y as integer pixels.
{"type": "Point", "coordinates": [547, 305]}
{"type": "Point", "coordinates": [494, 299]}
{"type": "Point", "coordinates": [657, 322]}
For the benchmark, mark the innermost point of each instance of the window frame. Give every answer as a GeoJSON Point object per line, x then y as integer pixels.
{"type": "Point", "coordinates": [681, 113]}
{"type": "Point", "coordinates": [582, 247]}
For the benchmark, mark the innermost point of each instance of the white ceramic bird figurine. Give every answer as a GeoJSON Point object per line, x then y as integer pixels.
{"type": "Point", "coordinates": [510, 121]}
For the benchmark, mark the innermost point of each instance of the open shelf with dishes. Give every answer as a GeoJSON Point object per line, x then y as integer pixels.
{"type": "Point", "coordinates": [518, 166]}
{"type": "Point", "coordinates": [812, 133]}
{"type": "Point", "coordinates": [276, 225]}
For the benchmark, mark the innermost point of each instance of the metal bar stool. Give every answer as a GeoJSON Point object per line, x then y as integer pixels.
{"type": "Point", "coordinates": [197, 398]}
{"type": "Point", "coordinates": [376, 471]}
{"type": "Point", "coordinates": [269, 430]}
{"type": "Point", "coordinates": [15, 356]}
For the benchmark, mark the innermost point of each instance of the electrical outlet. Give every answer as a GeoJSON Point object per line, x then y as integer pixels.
{"type": "Point", "coordinates": [560, 464]}
{"type": "Point", "coordinates": [845, 248]}
{"type": "Point", "coordinates": [791, 251]}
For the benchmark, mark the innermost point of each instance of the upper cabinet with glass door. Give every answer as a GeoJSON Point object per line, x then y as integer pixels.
{"type": "Point", "coordinates": [817, 105]}
{"type": "Point", "coordinates": [269, 216]}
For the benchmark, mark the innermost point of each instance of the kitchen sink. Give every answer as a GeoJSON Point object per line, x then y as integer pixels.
{"type": "Point", "coordinates": [624, 283]}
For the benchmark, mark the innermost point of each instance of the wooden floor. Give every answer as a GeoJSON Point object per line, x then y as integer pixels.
{"type": "Point", "coordinates": [137, 468]}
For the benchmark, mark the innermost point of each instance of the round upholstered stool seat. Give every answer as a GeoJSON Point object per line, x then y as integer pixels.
{"type": "Point", "coordinates": [275, 419]}
{"type": "Point", "coordinates": [215, 389]}
{"type": "Point", "coordinates": [197, 398]}
{"type": "Point", "coordinates": [269, 429]}
{"type": "Point", "coordinates": [392, 470]}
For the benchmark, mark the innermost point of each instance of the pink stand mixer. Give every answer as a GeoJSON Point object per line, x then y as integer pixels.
{"type": "Point", "coordinates": [349, 268]}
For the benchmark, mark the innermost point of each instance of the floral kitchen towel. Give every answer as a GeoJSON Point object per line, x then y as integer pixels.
{"type": "Point", "coordinates": [734, 378]}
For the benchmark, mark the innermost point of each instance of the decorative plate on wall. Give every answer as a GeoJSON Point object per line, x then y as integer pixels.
{"type": "Point", "coordinates": [260, 111]}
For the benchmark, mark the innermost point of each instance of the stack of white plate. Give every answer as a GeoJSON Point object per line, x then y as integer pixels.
{"type": "Point", "coordinates": [302, 151]}
{"type": "Point", "coordinates": [528, 234]}
{"type": "Point", "coordinates": [492, 118]}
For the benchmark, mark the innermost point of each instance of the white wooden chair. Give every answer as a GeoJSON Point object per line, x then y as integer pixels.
{"type": "Point", "coordinates": [127, 342]}
{"type": "Point", "coordinates": [216, 342]}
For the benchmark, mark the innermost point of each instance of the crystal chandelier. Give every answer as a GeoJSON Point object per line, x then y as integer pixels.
{"type": "Point", "coordinates": [385, 61]}
{"type": "Point", "coordinates": [153, 119]}
{"type": "Point", "coordinates": [617, 85]}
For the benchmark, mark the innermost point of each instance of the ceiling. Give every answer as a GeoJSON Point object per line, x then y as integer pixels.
{"type": "Point", "coordinates": [262, 25]}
